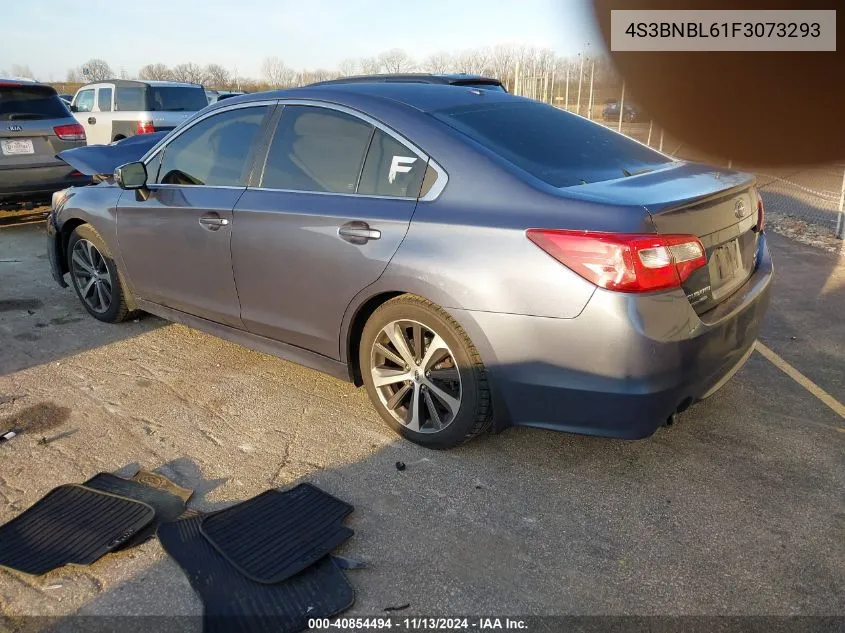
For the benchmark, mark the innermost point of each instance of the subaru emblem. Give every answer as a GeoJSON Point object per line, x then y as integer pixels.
{"type": "Point", "coordinates": [739, 208]}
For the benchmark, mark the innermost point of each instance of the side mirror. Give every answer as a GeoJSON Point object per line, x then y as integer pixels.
{"type": "Point", "coordinates": [73, 108]}
{"type": "Point", "coordinates": [131, 176]}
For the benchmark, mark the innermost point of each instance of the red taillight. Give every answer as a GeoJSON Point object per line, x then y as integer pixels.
{"type": "Point", "coordinates": [761, 214]}
{"type": "Point", "coordinates": [72, 132]}
{"type": "Point", "coordinates": [144, 127]}
{"type": "Point", "coordinates": [624, 262]}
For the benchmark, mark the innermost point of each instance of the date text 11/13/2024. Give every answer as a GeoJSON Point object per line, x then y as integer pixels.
{"type": "Point", "coordinates": [419, 624]}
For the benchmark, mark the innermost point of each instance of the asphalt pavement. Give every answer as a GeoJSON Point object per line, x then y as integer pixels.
{"type": "Point", "coordinates": [738, 509]}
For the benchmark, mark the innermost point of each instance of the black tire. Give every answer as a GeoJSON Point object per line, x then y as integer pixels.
{"type": "Point", "coordinates": [118, 309]}
{"type": "Point", "coordinates": [474, 413]}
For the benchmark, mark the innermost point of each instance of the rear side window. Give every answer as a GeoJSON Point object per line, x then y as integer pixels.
{"type": "Point", "coordinates": [214, 152]}
{"type": "Point", "coordinates": [391, 169]}
{"type": "Point", "coordinates": [130, 99]}
{"type": "Point", "coordinates": [84, 101]}
{"type": "Point", "coordinates": [554, 146]}
{"type": "Point", "coordinates": [20, 103]}
{"type": "Point", "coordinates": [104, 99]}
{"type": "Point", "coordinates": [316, 149]}
{"type": "Point", "coordinates": [176, 98]}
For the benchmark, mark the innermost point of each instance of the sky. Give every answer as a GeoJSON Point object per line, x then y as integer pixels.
{"type": "Point", "coordinates": [239, 34]}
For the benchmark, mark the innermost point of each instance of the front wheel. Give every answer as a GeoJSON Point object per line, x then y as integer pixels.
{"type": "Point", "coordinates": [423, 374]}
{"type": "Point", "coordinates": [94, 276]}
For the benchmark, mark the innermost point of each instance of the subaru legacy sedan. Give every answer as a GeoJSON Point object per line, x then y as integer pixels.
{"type": "Point", "coordinates": [472, 258]}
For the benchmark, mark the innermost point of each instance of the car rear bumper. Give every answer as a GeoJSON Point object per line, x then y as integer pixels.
{"type": "Point", "coordinates": [27, 183]}
{"type": "Point", "coordinates": [624, 365]}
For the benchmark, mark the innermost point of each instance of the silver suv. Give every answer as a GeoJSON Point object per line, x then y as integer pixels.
{"type": "Point", "coordinates": [120, 108]}
{"type": "Point", "coordinates": [35, 125]}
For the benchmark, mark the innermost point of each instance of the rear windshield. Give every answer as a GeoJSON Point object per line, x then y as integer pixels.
{"type": "Point", "coordinates": [160, 98]}
{"type": "Point", "coordinates": [557, 147]}
{"type": "Point", "coordinates": [27, 103]}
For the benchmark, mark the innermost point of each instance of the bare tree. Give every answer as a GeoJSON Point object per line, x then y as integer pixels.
{"type": "Point", "coordinates": [473, 62]}
{"type": "Point", "coordinates": [74, 76]}
{"type": "Point", "coordinates": [500, 64]}
{"type": "Point", "coordinates": [97, 70]}
{"type": "Point", "coordinates": [349, 67]}
{"type": "Point", "coordinates": [396, 61]}
{"type": "Point", "coordinates": [22, 70]}
{"type": "Point", "coordinates": [218, 77]}
{"type": "Point", "coordinates": [371, 65]}
{"type": "Point", "coordinates": [155, 72]}
{"type": "Point", "coordinates": [274, 71]}
{"type": "Point", "coordinates": [190, 73]}
{"type": "Point", "coordinates": [438, 63]}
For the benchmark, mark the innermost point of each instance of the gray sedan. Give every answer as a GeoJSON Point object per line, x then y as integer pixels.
{"type": "Point", "coordinates": [472, 258]}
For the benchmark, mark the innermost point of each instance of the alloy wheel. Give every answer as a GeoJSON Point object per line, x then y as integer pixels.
{"type": "Point", "coordinates": [91, 276]}
{"type": "Point", "coordinates": [415, 376]}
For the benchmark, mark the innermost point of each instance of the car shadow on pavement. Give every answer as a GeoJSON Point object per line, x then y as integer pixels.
{"type": "Point", "coordinates": [40, 322]}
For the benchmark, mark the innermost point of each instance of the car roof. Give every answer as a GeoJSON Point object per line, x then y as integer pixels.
{"type": "Point", "coordinates": [431, 78]}
{"type": "Point", "coordinates": [25, 83]}
{"type": "Point", "coordinates": [421, 96]}
{"type": "Point", "coordinates": [140, 82]}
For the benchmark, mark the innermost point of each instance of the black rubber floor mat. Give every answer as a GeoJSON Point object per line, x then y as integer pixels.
{"type": "Point", "coordinates": [233, 602]}
{"type": "Point", "coordinates": [275, 535]}
{"type": "Point", "coordinates": [70, 524]}
{"type": "Point", "coordinates": [168, 507]}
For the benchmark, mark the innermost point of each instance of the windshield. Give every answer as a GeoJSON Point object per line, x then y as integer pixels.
{"type": "Point", "coordinates": [19, 103]}
{"type": "Point", "coordinates": [557, 147]}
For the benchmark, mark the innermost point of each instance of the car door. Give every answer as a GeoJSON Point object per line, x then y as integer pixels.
{"type": "Point", "coordinates": [83, 107]}
{"type": "Point", "coordinates": [98, 130]}
{"type": "Point", "coordinates": [331, 206]}
{"type": "Point", "coordinates": [175, 238]}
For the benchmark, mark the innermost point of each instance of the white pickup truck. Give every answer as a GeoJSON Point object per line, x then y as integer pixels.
{"type": "Point", "coordinates": [119, 108]}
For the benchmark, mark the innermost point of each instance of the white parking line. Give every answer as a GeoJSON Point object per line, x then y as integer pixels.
{"type": "Point", "coordinates": [802, 380]}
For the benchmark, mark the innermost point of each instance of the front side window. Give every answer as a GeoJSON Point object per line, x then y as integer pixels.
{"type": "Point", "coordinates": [104, 99]}
{"type": "Point", "coordinates": [316, 149]}
{"type": "Point", "coordinates": [215, 151]}
{"type": "Point", "coordinates": [84, 101]}
{"type": "Point", "coordinates": [391, 169]}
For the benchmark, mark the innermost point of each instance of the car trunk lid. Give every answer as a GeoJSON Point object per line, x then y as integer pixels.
{"type": "Point", "coordinates": [716, 205]}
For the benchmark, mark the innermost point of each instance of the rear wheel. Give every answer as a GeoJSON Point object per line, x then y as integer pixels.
{"type": "Point", "coordinates": [423, 374]}
{"type": "Point", "coordinates": [94, 276]}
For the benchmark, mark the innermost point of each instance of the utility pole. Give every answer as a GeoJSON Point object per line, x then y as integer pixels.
{"type": "Point", "coordinates": [592, 74]}
{"type": "Point", "coordinates": [621, 108]}
{"type": "Point", "coordinates": [580, 81]}
{"type": "Point", "coordinates": [567, 88]}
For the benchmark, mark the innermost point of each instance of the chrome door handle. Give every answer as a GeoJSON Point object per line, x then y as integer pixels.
{"type": "Point", "coordinates": [358, 233]}
{"type": "Point", "coordinates": [213, 222]}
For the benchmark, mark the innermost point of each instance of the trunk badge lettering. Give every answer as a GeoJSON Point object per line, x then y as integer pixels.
{"type": "Point", "coordinates": [15, 128]}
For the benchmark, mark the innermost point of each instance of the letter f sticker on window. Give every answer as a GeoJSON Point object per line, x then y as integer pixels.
{"type": "Point", "coordinates": [400, 165]}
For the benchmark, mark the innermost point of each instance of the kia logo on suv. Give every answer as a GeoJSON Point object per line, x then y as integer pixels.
{"type": "Point", "coordinates": [15, 128]}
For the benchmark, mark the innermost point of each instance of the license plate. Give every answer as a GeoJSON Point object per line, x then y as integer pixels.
{"type": "Point", "coordinates": [12, 147]}
{"type": "Point", "coordinates": [726, 262]}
